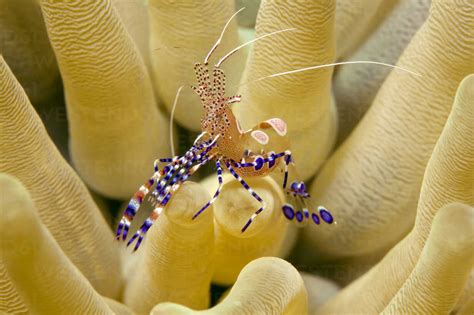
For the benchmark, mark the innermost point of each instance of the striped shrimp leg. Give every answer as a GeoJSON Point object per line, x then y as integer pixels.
{"type": "Point", "coordinates": [169, 171]}
{"type": "Point", "coordinates": [250, 190]}
{"type": "Point", "coordinates": [137, 199]}
{"type": "Point", "coordinates": [165, 197]}
{"type": "Point", "coordinates": [177, 178]}
{"type": "Point", "coordinates": [216, 194]}
{"type": "Point", "coordinates": [133, 207]}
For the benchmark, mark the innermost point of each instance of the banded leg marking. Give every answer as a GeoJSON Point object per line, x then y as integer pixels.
{"type": "Point", "coordinates": [163, 200]}
{"type": "Point", "coordinates": [288, 160]}
{"type": "Point", "coordinates": [216, 194]}
{"type": "Point", "coordinates": [253, 193]}
{"type": "Point", "coordinates": [271, 159]}
{"type": "Point", "coordinates": [133, 207]}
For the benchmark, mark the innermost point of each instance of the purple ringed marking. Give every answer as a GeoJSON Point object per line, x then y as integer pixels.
{"type": "Point", "coordinates": [271, 159]}
{"type": "Point", "coordinates": [278, 125]}
{"type": "Point", "coordinates": [299, 216]}
{"type": "Point", "coordinates": [260, 136]}
{"type": "Point", "coordinates": [325, 215]}
{"type": "Point", "coordinates": [258, 163]}
{"type": "Point", "coordinates": [294, 186]}
{"type": "Point", "coordinates": [302, 187]}
{"type": "Point", "coordinates": [288, 211]}
{"type": "Point", "coordinates": [315, 218]}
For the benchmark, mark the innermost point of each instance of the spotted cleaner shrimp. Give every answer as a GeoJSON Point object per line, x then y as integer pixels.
{"type": "Point", "coordinates": [243, 154]}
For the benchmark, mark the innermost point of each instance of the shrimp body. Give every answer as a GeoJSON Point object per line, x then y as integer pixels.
{"type": "Point", "coordinates": [218, 119]}
{"type": "Point", "coordinates": [255, 152]}
{"type": "Point", "coordinates": [219, 122]}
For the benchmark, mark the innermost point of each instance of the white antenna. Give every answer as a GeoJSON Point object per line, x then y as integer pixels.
{"type": "Point", "coordinates": [206, 61]}
{"type": "Point", "coordinates": [250, 42]}
{"type": "Point", "coordinates": [331, 65]}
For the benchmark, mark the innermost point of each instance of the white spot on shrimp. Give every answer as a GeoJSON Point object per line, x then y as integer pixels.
{"type": "Point", "coordinates": [260, 136]}
{"type": "Point", "coordinates": [279, 125]}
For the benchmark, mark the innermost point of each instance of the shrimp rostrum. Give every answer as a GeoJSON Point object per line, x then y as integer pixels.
{"type": "Point", "coordinates": [256, 152]}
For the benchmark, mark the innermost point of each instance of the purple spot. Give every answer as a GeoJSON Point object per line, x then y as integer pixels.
{"type": "Point", "coordinates": [288, 212]}
{"type": "Point", "coordinates": [299, 216]}
{"type": "Point", "coordinates": [258, 163]}
{"type": "Point", "coordinates": [302, 187]}
{"type": "Point", "coordinates": [294, 186]}
{"type": "Point", "coordinates": [315, 218]}
{"type": "Point", "coordinates": [271, 160]}
{"type": "Point", "coordinates": [326, 216]}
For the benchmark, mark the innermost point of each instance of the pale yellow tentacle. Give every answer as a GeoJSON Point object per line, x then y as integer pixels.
{"type": "Point", "coordinates": [265, 286]}
{"type": "Point", "coordinates": [111, 106]}
{"type": "Point", "coordinates": [302, 100]}
{"type": "Point", "coordinates": [449, 177]}
{"type": "Point", "coordinates": [181, 34]}
{"type": "Point", "coordinates": [63, 202]}
{"type": "Point", "coordinates": [266, 236]}
{"type": "Point", "coordinates": [355, 87]}
{"type": "Point", "coordinates": [319, 290]}
{"type": "Point", "coordinates": [443, 267]}
{"type": "Point", "coordinates": [356, 20]}
{"type": "Point", "coordinates": [25, 46]}
{"type": "Point", "coordinates": [178, 255]}
{"type": "Point", "coordinates": [45, 278]}
{"type": "Point", "coordinates": [134, 15]}
{"type": "Point", "coordinates": [381, 165]}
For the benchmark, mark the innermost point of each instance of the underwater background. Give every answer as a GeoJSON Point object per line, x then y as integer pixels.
{"type": "Point", "coordinates": [86, 92]}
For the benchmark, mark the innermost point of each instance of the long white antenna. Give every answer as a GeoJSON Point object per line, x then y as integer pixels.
{"type": "Point", "coordinates": [206, 61]}
{"type": "Point", "coordinates": [250, 42]}
{"type": "Point", "coordinates": [172, 118]}
{"type": "Point", "coordinates": [331, 65]}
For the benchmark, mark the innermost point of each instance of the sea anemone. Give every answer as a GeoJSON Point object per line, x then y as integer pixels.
{"type": "Point", "coordinates": [86, 88]}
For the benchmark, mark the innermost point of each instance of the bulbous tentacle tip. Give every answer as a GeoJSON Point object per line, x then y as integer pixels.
{"type": "Point", "coordinates": [269, 284]}
{"type": "Point", "coordinates": [171, 308]}
{"type": "Point", "coordinates": [13, 194]}
{"type": "Point", "coordinates": [270, 275]}
{"type": "Point", "coordinates": [236, 208]}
